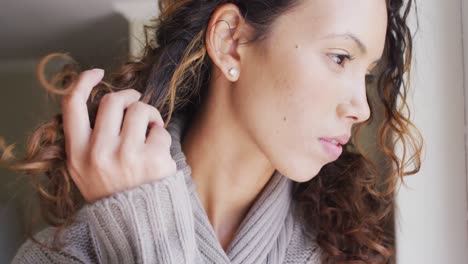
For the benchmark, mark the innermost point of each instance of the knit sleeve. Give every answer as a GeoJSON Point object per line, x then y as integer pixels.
{"type": "Point", "coordinates": [152, 223]}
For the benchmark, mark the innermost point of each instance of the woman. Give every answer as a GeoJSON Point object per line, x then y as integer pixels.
{"type": "Point", "coordinates": [230, 142]}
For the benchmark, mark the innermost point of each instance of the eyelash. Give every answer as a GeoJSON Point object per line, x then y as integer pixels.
{"type": "Point", "coordinates": [370, 78]}
{"type": "Point", "coordinates": [342, 55]}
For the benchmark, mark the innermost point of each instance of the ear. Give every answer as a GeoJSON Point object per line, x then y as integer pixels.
{"type": "Point", "coordinates": [226, 30]}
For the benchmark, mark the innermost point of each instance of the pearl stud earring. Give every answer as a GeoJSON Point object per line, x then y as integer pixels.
{"type": "Point", "coordinates": [233, 72]}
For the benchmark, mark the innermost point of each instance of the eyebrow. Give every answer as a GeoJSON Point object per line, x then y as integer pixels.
{"type": "Point", "coordinates": [359, 43]}
{"type": "Point", "coordinates": [356, 40]}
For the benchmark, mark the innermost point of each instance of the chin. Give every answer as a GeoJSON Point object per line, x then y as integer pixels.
{"type": "Point", "coordinates": [305, 171]}
{"type": "Point", "coordinates": [304, 177]}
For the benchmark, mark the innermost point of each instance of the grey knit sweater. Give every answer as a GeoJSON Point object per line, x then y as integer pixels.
{"type": "Point", "coordinates": [164, 222]}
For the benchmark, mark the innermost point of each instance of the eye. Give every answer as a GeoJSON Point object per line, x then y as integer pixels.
{"type": "Point", "coordinates": [340, 58]}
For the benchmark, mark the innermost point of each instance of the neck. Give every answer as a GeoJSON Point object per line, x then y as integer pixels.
{"type": "Point", "coordinates": [227, 167]}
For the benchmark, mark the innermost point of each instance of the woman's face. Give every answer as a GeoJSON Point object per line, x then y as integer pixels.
{"type": "Point", "coordinates": [298, 86]}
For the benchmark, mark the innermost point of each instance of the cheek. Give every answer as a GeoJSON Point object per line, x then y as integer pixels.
{"type": "Point", "coordinates": [305, 94]}
{"type": "Point", "coordinates": [284, 110]}
{"type": "Point", "coordinates": [306, 100]}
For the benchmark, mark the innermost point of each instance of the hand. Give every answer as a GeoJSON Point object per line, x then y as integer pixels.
{"type": "Point", "coordinates": [116, 154]}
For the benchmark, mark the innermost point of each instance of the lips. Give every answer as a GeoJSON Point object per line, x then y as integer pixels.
{"type": "Point", "coordinates": [333, 141]}
{"type": "Point", "coordinates": [332, 150]}
{"type": "Point", "coordinates": [341, 140]}
{"type": "Point", "coordinates": [333, 146]}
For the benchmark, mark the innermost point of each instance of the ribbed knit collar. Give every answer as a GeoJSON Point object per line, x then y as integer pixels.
{"type": "Point", "coordinates": [259, 230]}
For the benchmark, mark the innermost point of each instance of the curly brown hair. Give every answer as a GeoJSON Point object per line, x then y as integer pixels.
{"type": "Point", "coordinates": [349, 204]}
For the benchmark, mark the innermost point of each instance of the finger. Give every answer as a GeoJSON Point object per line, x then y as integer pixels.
{"type": "Point", "coordinates": [76, 124]}
{"type": "Point", "coordinates": [158, 136]}
{"type": "Point", "coordinates": [137, 119]}
{"type": "Point", "coordinates": [111, 112]}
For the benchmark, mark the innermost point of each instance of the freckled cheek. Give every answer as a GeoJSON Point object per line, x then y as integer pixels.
{"type": "Point", "coordinates": [302, 109]}
{"type": "Point", "coordinates": [309, 81]}
{"type": "Point", "coordinates": [302, 96]}
{"type": "Point", "coordinates": [318, 89]}
{"type": "Point", "coordinates": [297, 94]}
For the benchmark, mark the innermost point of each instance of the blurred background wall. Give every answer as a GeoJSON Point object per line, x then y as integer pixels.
{"type": "Point", "coordinates": [432, 218]}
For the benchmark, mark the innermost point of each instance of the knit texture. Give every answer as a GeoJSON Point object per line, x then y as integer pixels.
{"type": "Point", "coordinates": [165, 222]}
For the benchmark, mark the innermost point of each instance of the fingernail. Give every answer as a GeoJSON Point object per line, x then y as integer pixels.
{"type": "Point", "coordinates": [98, 70]}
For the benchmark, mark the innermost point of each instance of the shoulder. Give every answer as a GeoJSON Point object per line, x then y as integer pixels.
{"type": "Point", "coordinates": [76, 246]}
{"type": "Point", "coordinates": [303, 244]}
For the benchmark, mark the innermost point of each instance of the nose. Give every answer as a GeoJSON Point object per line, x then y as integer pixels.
{"type": "Point", "coordinates": [356, 107]}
